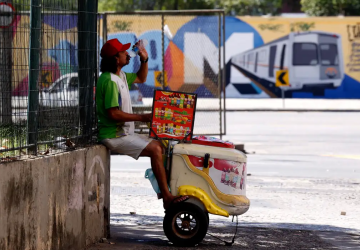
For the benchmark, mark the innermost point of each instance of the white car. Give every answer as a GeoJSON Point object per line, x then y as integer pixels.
{"type": "Point", "coordinates": [64, 92]}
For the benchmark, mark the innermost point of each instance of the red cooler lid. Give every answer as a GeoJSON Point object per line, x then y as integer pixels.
{"type": "Point", "coordinates": [212, 141]}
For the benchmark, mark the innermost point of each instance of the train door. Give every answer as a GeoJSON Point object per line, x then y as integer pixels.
{"type": "Point", "coordinates": [272, 60]}
{"type": "Point", "coordinates": [282, 58]}
{"type": "Point", "coordinates": [329, 57]}
{"type": "Point", "coordinates": [256, 62]}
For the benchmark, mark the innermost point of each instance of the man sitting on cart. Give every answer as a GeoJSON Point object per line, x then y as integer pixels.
{"type": "Point", "coordinates": [115, 116]}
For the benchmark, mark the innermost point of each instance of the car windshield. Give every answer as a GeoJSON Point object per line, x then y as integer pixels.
{"type": "Point", "coordinates": [305, 54]}
{"type": "Point", "coordinates": [74, 83]}
{"type": "Point", "coordinates": [59, 85]}
{"type": "Point", "coordinates": [329, 54]}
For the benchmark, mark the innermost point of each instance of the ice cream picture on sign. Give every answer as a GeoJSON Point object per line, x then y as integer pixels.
{"type": "Point", "coordinates": [173, 115]}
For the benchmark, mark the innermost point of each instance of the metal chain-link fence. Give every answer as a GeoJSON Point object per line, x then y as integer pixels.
{"type": "Point", "coordinates": [48, 65]}
{"type": "Point", "coordinates": [185, 54]}
{"type": "Point", "coordinates": [49, 59]}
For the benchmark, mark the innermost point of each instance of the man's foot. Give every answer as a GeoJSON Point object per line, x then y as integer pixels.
{"type": "Point", "coordinates": [174, 200]}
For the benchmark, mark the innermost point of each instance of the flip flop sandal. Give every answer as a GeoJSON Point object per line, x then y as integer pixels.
{"type": "Point", "coordinates": [172, 203]}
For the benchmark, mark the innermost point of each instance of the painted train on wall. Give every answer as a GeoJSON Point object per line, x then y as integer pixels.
{"type": "Point", "coordinates": [320, 55]}
{"type": "Point", "coordinates": [312, 60]}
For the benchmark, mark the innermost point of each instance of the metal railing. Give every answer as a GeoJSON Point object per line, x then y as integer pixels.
{"type": "Point", "coordinates": [185, 54]}
{"type": "Point", "coordinates": [49, 57]}
{"type": "Point", "coordinates": [48, 65]}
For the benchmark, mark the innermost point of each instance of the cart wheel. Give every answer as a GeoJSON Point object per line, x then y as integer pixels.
{"type": "Point", "coordinates": [185, 224]}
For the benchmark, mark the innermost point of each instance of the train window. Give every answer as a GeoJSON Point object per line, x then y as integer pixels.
{"type": "Point", "coordinates": [262, 56]}
{"type": "Point", "coordinates": [272, 60]}
{"type": "Point", "coordinates": [329, 54]}
{"type": "Point", "coordinates": [305, 54]}
{"type": "Point", "coordinates": [59, 86]}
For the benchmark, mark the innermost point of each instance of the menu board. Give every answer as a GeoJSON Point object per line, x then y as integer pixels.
{"type": "Point", "coordinates": [173, 115]}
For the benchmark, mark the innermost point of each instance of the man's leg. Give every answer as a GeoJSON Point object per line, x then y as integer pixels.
{"type": "Point", "coordinates": [154, 151]}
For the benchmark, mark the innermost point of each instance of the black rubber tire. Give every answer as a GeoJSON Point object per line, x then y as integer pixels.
{"type": "Point", "coordinates": [190, 215]}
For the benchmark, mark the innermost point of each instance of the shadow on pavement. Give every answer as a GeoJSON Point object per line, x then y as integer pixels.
{"type": "Point", "coordinates": [252, 236]}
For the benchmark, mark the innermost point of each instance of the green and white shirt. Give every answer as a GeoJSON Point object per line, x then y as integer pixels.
{"type": "Point", "coordinates": [113, 91]}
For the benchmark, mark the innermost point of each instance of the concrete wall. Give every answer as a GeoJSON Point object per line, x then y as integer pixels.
{"type": "Point", "coordinates": [55, 202]}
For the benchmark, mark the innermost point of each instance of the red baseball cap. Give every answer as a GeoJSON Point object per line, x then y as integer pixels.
{"type": "Point", "coordinates": [112, 47]}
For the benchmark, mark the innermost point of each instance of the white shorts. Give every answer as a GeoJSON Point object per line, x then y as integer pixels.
{"type": "Point", "coordinates": [131, 145]}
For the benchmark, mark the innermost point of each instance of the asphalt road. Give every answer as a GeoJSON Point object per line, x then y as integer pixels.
{"type": "Point", "coordinates": [288, 144]}
{"type": "Point", "coordinates": [282, 148]}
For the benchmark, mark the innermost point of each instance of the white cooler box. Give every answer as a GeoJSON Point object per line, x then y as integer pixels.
{"type": "Point", "coordinates": [223, 180]}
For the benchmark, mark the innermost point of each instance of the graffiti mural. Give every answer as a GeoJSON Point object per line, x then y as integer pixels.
{"type": "Point", "coordinates": [320, 63]}
{"type": "Point", "coordinates": [58, 55]}
{"type": "Point", "coordinates": [321, 56]}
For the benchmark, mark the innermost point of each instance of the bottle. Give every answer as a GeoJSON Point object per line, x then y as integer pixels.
{"type": "Point", "coordinates": [168, 117]}
{"type": "Point", "coordinates": [135, 49]}
{"type": "Point", "coordinates": [171, 115]}
{"type": "Point", "coordinates": [162, 113]}
{"type": "Point", "coordinates": [178, 101]}
{"type": "Point", "coordinates": [166, 113]}
{"type": "Point", "coordinates": [171, 131]}
{"type": "Point", "coordinates": [172, 100]}
{"type": "Point", "coordinates": [189, 102]}
{"type": "Point", "coordinates": [182, 97]}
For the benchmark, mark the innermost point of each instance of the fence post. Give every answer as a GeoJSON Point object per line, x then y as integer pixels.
{"type": "Point", "coordinates": [224, 70]}
{"type": "Point", "coordinates": [6, 70]}
{"type": "Point", "coordinates": [86, 55]}
{"type": "Point", "coordinates": [34, 64]}
{"type": "Point", "coordinates": [104, 28]}
{"type": "Point", "coordinates": [83, 40]}
{"type": "Point", "coordinates": [91, 21]}
{"type": "Point", "coordinates": [162, 50]}
{"type": "Point", "coordinates": [220, 75]}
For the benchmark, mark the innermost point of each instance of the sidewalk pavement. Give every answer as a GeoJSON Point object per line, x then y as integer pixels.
{"type": "Point", "coordinates": [150, 237]}
{"type": "Point", "coordinates": [278, 104]}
